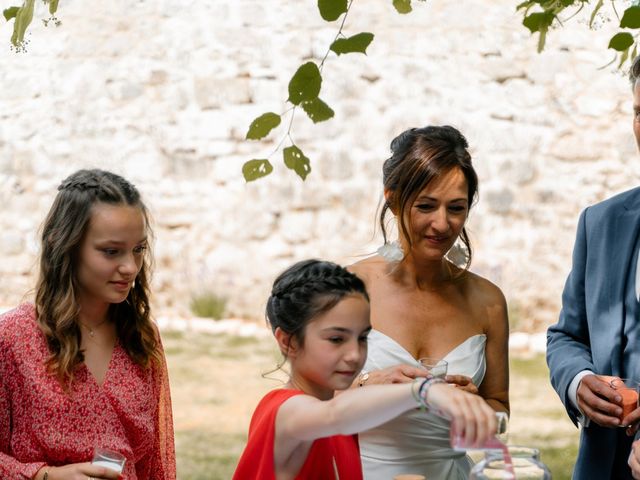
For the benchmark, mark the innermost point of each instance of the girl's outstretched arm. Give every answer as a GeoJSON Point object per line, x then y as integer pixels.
{"type": "Point", "coordinates": [304, 418]}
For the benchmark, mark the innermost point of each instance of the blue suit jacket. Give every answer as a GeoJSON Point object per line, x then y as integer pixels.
{"type": "Point", "coordinates": [589, 331]}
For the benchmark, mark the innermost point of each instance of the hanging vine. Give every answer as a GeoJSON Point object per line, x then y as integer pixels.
{"type": "Point", "coordinates": [541, 15]}
{"type": "Point", "coordinates": [22, 17]}
{"type": "Point", "coordinates": [304, 92]}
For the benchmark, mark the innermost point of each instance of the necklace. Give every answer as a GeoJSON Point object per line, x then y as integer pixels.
{"type": "Point", "coordinates": [92, 330]}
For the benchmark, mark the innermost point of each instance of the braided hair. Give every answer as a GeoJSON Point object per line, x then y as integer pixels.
{"type": "Point", "coordinates": [307, 289]}
{"type": "Point", "coordinates": [418, 156]}
{"type": "Point", "coordinates": [57, 309]}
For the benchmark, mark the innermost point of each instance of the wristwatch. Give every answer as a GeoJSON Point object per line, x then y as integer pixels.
{"type": "Point", "coordinates": [362, 378]}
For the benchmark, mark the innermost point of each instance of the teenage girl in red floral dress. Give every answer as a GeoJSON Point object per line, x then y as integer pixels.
{"type": "Point", "coordinates": [83, 367]}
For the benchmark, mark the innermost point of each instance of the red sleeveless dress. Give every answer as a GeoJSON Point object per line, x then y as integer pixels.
{"type": "Point", "coordinates": [331, 458]}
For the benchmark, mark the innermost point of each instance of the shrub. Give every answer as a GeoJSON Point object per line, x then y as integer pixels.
{"type": "Point", "coordinates": [208, 305]}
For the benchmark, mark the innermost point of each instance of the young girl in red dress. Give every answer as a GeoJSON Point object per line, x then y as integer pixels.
{"type": "Point", "coordinates": [319, 314]}
{"type": "Point", "coordinates": [83, 367]}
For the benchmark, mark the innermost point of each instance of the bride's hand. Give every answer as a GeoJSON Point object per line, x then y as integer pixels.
{"type": "Point", "coordinates": [396, 374]}
{"type": "Point", "coordinates": [462, 382]}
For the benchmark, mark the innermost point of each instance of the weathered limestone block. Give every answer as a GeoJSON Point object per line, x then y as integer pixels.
{"type": "Point", "coordinates": [215, 92]}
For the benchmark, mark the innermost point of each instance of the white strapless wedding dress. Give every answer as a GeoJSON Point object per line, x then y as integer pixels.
{"type": "Point", "coordinates": [418, 442]}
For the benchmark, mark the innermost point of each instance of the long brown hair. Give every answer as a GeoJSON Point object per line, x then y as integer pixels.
{"type": "Point", "coordinates": [419, 155]}
{"type": "Point", "coordinates": [57, 309]}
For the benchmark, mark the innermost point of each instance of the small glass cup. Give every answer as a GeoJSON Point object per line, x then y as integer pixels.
{"type": "Point", "coordinates": [103, 457]}
{"type": "Point", "coordinates": [495, 443]}
{"type": "Point", "coordinates": [628, 389]}
{"type": "Point", "coordinates": [436, 367]}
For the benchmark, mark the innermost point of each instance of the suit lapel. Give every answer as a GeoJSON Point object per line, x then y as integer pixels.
{"type": "Point", "coordinates": [623, 241]}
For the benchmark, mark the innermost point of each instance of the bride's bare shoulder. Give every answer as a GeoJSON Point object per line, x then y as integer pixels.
{"type": "Point", "coordinates": [369, 268]}
{"type": "Point", "coordinates": [483, 290]}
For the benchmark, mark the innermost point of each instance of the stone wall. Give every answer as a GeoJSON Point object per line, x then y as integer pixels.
{"type": "Point", "coordinates": [163, 91]}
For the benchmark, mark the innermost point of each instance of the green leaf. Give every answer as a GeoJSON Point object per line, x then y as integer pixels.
{"type": "Point", "coordinates": [595, 12]}
{"type": "Point", "coordinates": [542, 38]}
{"type": "Point", "coordinates": [305, 83]}
{"type": "Point", "coordinates": [53, 6]}
{"type": "Point", "coordinates": [262, 125]}
{"type": "Point", "coordinates": [538, 21]}
{"type": "Point", "coordinates": [631, 18]}
{"type": "Point", "coordinates": [621, 41]}
{"type": "Point", "coordinates": [623, 57]}
{"type": "Point", "coordinates": [526, 5]}
{"type": "Point", "coordinates": [402, 6]}
{"type": "Point", "coordinates": [10, 12]}
{"type": "Point", "coordinates": [23, 18]}
{"type": "Point", "coordinates": [356, 43]}
{"type": "Point", "coordinates": [331, 10]}
{"type": "Point", "coordinates": [317, 110]}
{"type": "Point", "coordinates": [256, 168]}
{"type": "Point", "coordinates": [296, 161]}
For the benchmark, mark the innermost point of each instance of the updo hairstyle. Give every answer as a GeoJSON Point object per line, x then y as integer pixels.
{"type": "Point", "coordinates": [418, 156]}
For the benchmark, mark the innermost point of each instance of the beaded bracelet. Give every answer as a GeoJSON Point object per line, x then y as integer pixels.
{"type": "Point", "coordinates": [426, 385]}
{"type": "Point", "coordinates": [416, 394]}
{"type": "Point", "coordinates": [423, 391]}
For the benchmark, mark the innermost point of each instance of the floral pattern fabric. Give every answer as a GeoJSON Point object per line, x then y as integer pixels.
{"type": "Point", "coordinates": [41, 424]}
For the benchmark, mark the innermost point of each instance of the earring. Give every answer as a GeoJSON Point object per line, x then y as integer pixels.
{"type": "Point", "coordinates": [457, 255]}
{"type": "Point", "coordinates": [391, 251]}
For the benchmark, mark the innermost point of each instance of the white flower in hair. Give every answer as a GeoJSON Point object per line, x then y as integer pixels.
{"type": "Point", "coordinates": [391, 252]}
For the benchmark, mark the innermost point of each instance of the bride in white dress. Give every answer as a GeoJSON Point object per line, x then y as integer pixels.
{"type": "Point", "coordinates": [424, 305]}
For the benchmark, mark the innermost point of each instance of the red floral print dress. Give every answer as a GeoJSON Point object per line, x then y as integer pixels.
{"type": "Point", "coordinates": [41, 424]}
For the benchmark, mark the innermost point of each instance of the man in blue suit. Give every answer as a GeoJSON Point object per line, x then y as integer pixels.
{"type": "Point", "coordinates": [598, 332]}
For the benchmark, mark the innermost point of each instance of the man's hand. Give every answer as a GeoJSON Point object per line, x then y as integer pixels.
{"type": "Point", "coordinates": [632, 420]}
{"type": "Point", "coordinates": [599, 401]}
{"type": "Point", "coordinates": [634, 459]}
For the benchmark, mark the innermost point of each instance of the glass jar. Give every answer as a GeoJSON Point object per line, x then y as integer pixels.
{"type": "Point", "coordinates": [526, 465]}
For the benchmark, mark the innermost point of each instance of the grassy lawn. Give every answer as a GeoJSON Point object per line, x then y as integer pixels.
{"type": "Point", "coordinates": [538, 418]}
{"type": "Point", "coordinates": [218, 379]}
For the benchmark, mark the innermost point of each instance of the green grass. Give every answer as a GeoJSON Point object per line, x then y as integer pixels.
{"type": "Point", "coordinates": [531, 368]}
{"type": "Point", "coordinates": [538, 418]}
{"type": "Point", "coordinates": [560, 460]}
{"type": "Point", "coordinates": [208, 455]}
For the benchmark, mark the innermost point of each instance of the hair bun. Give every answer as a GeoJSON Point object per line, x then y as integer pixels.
{"type": "Point", "coordinates": [402, 141]}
